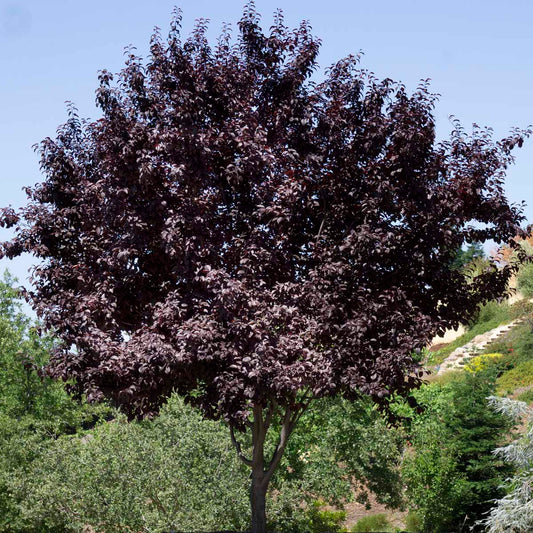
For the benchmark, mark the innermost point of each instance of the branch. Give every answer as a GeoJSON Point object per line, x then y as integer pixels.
{"type": "Point", "coordinates": [157, 502]}
{"type": "Point", "coordinates": [237, 445]}
{"type": "Point", "coordinates": [270, 414]}
{"type": "Point", "coordinates": [286, 429]}
{"type": "Point", "coordinates": [284, 435]}
{"type": "Point", "coordinates": [320, 230]}
{"type": "Point", "coordinates": [306, 400]}
{"type": "Point", "coordinates": [321, 224]}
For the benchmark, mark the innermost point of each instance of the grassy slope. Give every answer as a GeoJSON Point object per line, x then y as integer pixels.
{"type": "Point", "coordinates": [516, 366]}
{"type": "Point", "coordinates": [490, 316]}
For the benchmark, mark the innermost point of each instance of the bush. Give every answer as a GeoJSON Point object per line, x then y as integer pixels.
{"type": "Point", "coordinates": [521, 308]}
{"type": "Point", "coordinates": [341, 443]}
{"type": "Point", "coordinates": [481, 362]}
{"type": "Point", "coordinates": [525, 280]}
{"type": "Point", "coordinates": [34, 410]}
{"type": "Point", "coordinates": [100, 477]}
{"type": "Point", "coordinates": [451, 474]}
{"type": "Point", "coordinates": [178, 472]}
{"type": "Point", "coordinates": [325, 520]}
{"type": "Point", "coordinates": [492, 313]}
{"type": "Point", "coordinates": [376, 522]}
{"type": "Point", "coordinates": [520, 376]}
{"type": "Point", "coordinates": [514, 512]}
{"type": "Point", "coordinates": [526, 396]}
{"type": "Point", "coordinates": [413, 524]}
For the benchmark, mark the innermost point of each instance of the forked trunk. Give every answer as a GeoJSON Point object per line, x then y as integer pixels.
{"type": "Point", "coordinates": [262, 470]}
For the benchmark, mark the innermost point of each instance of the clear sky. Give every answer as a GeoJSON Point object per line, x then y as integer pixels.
{"type": "Point", "coordinates": [478, 54]}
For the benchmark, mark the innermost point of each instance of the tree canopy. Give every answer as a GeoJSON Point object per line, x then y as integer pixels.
{"type": "Point", "coordinates": [252, 236]}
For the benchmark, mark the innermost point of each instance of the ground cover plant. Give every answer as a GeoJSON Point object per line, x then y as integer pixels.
{"type": "Point", "coordinates": [526, 396]}
{"type": "Point", "coordinates": [519, 376]}
{"type": "Point", "coordinates": [377, 522]}
{"type": "Point", "coordinates": [513, 369]}
{"type": "Point", "coordinates": [255, 240]}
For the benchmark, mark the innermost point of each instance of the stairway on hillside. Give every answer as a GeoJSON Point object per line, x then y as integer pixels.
{"type": "Point", "coordinates": [459, 356]}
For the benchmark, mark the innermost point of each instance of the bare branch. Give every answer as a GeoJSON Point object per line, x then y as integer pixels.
{"type": "Point", "coordinates": [157, 501]}
{"type": "Point", "coordinates": [298, 414]}
{"type": "Point", "coordinates": [284, 435]}
{"type": "Point", "coordinates": [270, 413]}
{"type": "Point", "coordinates": [320, 230]}
{"type": "Point", "coordinates": [237, 445]}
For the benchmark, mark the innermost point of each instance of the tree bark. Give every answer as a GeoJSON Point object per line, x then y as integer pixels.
{"type": "Point", "coordinates": [258, 492]}
{"type": "Point", "coordinates": [262, 471]}
{"type": "Point", "coordinates": [259, 483]}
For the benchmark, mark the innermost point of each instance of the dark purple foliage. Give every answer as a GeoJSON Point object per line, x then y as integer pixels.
{"type": "Point", "coordinates": [243, 235]}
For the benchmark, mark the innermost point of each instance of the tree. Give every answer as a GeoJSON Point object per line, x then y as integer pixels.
{"type": "Point", "coordinates": [452, 476]}
{"type": "Point", "coordinates": [508, 253]}
{"type": "Point", "coordinates": [464, 256]}
{"type": "Point", "coordinates": [195, 481]}
{"type": "Point", "coordinates": [513, 512]}
{"type": "Point", "coordinates": [34, 410]}
{"type": "Point", "coordinates": [253, 239]}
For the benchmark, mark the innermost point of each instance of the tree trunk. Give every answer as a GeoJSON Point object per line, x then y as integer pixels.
{"type": "Point", "coordinates": [262, 470]}
{"type": "Point", "coordinates": [258, 501]}
{"type": "Point", "coordinates": [259, 480]}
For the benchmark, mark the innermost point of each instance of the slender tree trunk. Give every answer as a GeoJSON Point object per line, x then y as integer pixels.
{"type": "Point", "coordinates": [259, 482]}
{"type": "Point", "coordinates": [262, 470]}
{"type": "Point", "coordinates": [258, 491]}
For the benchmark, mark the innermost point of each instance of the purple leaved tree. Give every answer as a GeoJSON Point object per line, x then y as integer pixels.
{"type": "Point", "coordinates": [234, 231]}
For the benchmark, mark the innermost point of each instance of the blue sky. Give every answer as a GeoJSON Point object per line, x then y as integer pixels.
{"type": "Point", "coordinates": [478, 55]}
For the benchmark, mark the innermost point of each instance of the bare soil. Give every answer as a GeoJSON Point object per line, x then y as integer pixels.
{"type": "Point", "coordinates": [355, 511]}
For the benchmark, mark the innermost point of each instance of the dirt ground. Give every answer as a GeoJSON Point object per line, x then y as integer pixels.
{"type": "Point", "coordinates": [355, 511]}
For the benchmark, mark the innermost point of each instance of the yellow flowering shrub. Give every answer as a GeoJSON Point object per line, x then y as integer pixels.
{"type": "Point", "coordinates": [480, 362]}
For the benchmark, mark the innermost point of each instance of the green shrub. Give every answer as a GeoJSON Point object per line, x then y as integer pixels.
{"type": "Point", "coordinates": [525, 280]}
{"type": "Point", "coordinates": [340, 440]}
{"type": "Point", "coordinates": [519, 376]}
{"type": "Point", "coordinates": [450, 472]}
{"type": "Point", "coordinates": [526, 396]}
{"type": "Point", "coordinates": [521, 308]}
{"type": "Point", "coordinates": [447, 377]}
{"type": "Point", "coordinates": [413, 524]}
{"type": "Point", "coordinates": [492, 313]}
{"type": "Point", "coordinates": [34, 410]}
{"type": "Point", "coordinates": [325, 520]}
{"type": "Point", "coordinates": [376, 522]}
{"type": "Point", "coordinates": [177, 472]}
{"type": "Point", "coordinates": [180, 472]}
